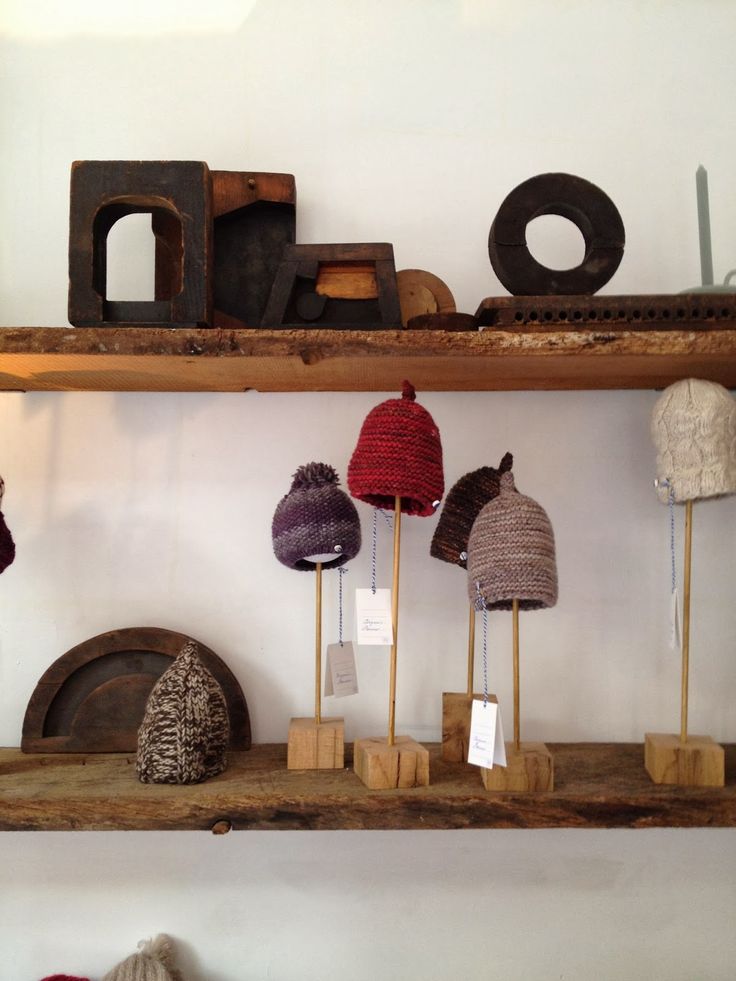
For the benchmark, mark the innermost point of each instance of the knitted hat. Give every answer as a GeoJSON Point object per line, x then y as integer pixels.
{"type": "Point", "coordinates": [511, 552]}
{"type": "Point", "coordinates": [694, 431]}
{"type": "Point", "coordinates": [63, 977]}
{"type": "Point", "coordinates": [7, 545]}
{"type": "Point", "coordinates": [315, 518]}
{"type": "Point", "coordinates": [186, 729]}
{"type": "Point", "coordinates": [462, 506]}
{"type": "Point", "coordinates": [155, 962]}
{"type": "Point", "coordinates": [399, 453]}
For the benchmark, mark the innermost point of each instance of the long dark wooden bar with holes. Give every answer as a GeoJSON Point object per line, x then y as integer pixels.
{"type": "Point", "coordinates": [597, 785]}
{"type": "Point", "coordinates": [155, 359]}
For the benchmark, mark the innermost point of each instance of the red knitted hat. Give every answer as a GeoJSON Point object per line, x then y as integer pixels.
{"type": "Point", "coordinates": [399, 453]}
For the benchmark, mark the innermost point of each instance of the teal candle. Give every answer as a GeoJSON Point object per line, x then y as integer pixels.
{"type": "Point", "coordinates": [706, 256]}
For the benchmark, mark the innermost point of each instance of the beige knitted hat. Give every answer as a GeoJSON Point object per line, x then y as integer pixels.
{"type": "Point", "coordinates": [185, 730]}
{"type": "Point", "coordinates": [694, 431]}
{"type": "Point", "coordinates": [511, 552]}
{"type": "Point", "coordinates": [155, 962]}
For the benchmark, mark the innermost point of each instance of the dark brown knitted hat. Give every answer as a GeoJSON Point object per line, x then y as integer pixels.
{"type": "Point", "coordinates": [398, 454]}
{"type": "Point", "coordinates": [511, 553]}
{"type": "Point", "coordinates": [461, 508]}
{"type": "Point", "coordinates": [316, 517]}
{"type": "Point", "coordinates": [186, 729]}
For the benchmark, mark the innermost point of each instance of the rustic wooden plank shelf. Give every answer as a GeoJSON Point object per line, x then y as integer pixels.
{"type": "Point", "coordinates": [196, 360]}
{"type": "Point", "coordinates": [597, 785]}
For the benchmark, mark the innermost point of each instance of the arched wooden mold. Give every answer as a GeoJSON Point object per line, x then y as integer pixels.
{"type": "Point", "coordinates": [92, 699]}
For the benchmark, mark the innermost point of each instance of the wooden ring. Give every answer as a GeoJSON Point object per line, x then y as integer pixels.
{"type": "Point", "coordinates": [582, 203]}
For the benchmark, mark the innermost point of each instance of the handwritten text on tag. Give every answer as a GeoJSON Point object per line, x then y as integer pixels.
{"type": "Point", "coordinates": [341, 676]}
{"type": "Point", "coordinates": [486, 746]}
{"type": "Point", "coordinates": [373, 617]}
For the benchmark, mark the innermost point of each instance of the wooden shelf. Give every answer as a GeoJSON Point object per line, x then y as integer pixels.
{"type": "Point", "coordinates": [140, 359]}
{"type": "Point", "coordinates": [598, 785]}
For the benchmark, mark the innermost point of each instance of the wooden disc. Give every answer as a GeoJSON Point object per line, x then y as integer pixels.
{"type": "Point", "coordinates": [422, 292]}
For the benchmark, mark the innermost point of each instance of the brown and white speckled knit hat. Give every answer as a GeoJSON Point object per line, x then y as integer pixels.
{"type": "Point", "coordinates": [315, 518]}
{"type": "Point", "coordinates": [154, 962]}
{"type": "Point", "coordinates": [511, 552]}
{"type": "Point", "coordinates": [185, 731]}
{"type": "Point", "coordinates": [462, 506]}
{"type": "Point", "coordinates": [694, 431]}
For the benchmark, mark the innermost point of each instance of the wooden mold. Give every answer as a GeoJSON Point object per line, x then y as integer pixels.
{"type": "Point", "coordinates": [571, 197]}
{"type": "Point", "coordinates": [337, 286]}
{"type": "Point", "coordinates": [178, 196]}
{"type": "Point", "coordinates": [254, 220]}
{"type": "Point", "coordinates": [92, 699]}
{"type": "Point", "coordinates": [421, 292]}
{"type": "Point", "coordinates": [537, 314]}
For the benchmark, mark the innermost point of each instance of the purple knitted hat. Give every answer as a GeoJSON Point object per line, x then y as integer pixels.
{"type": "Point", "coordinates": [511, 553]}
{"type": "Point", "coordinates": [7, 545]}
{"type": "Point", "coordinates": [315, 518]}
{"type": "Point", "coordinates": [462, 506]}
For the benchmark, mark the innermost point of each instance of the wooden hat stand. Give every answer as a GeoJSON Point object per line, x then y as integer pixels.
{"type": "Point", "coordinates": [396, 761]}
{"type": "Point", "coordinates": [684, 760]}
{"type": "Point", "coordinates": [529, 766]}
{"type": "Point", "coordinates": [457, 707]}
{"type": "Point", "coordinates": [316, 743]}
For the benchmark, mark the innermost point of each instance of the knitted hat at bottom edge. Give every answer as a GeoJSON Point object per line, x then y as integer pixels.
{"type": "Point", "coordinates": [154, 962]}
{"type": "Point", "coordinates": [63, 977]}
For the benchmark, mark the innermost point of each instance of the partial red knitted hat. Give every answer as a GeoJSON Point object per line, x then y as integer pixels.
{"type": "Point", "coordinates": [399, 453]}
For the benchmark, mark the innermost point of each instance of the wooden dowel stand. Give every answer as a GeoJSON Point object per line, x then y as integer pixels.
{"type": "Point", "coordinates": [529, 766]}
{"type": "Point", "coordinates": [458, 706]}
{"type": "Point", "coordinates": [318, 648]}
{"type": "Point", "coordinates": [316, 744]}
{"type": "Point", "coordinates": [515, 644]}
{"type": "Point", "coordinates": [686, 761]}
{"type": "Point", "coordinates": [397, 761]}
{"type": "Point", "coordinates": [394, 625]}
{"type": "Point", "coordinates": [471, 648]}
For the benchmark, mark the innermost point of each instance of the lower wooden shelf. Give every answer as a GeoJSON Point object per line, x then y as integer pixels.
{"type": "Point", "coordinates": [597, 785]}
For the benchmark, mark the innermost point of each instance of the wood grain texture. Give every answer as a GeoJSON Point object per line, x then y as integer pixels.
{"type": "Point", "coordinates": [529, 769]}
{"type": "Point", "coordinates": [309, 359]}
{"type": "Point", "coordinates": [597, 785]}
{"type": "Point", "coordinates": [698, 762]}
{"type": "Point", "coordinates": [456, 709]}
{"type": "Point", "coordinates": [316, 745]}
{"type": "Point", "coordinates": [381, 765]}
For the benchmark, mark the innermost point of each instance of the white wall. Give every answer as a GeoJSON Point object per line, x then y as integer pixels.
{"type": "Point", "coordinates": [404, 122]}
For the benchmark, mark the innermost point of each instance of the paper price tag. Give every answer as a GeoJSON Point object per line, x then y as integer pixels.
{"type": "Point", "coordinates": [675, 642]}
{"type": "Point", "coordinates": [341, 675]}
{"type": "Point", "coordinates": [486, 745]}
{"type": "Point", "coordinates": [373, 617]}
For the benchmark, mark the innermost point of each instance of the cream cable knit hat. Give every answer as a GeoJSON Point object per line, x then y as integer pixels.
{"type": "Point", "coordinates": [155, 962]}
{"type": "Point", "coordinates": [694, 431]}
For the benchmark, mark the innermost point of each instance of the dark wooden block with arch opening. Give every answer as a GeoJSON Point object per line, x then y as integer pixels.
{"type": "Point", "coordinates": [178, 196]}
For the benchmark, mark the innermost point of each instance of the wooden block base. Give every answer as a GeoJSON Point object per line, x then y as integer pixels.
{"type": "Point", "coordinates": [316, 746]}
{"type": "Point", "coordinates": [384, 767]}
{"type": "Point", "coordinates": [456, 709]}
{"type": "Point", "coordinates": [699, 762]}
{"type": "Point", "coordinates": [529, 768]}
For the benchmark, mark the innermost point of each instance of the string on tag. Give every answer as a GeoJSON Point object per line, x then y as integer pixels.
{"type": "Point", "coordinates": [341, 572]}
{"type": "Point", "coordinates": [373, 551]}
{"type": "Point", "coordinates": [374, 542]}
{"type": "Point", "coordinates": [674, 599]}
{"type": "Point", "coordinates": [480, 604]}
